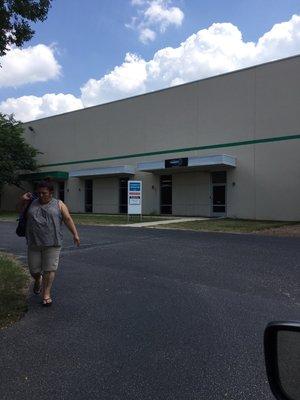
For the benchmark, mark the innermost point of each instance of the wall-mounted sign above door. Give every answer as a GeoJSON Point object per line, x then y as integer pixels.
{"type": "Point", "coordinates": [176, 162]}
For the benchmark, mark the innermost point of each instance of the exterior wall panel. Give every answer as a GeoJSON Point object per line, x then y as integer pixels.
{"type": "Point", "coordinates": [191, 193]}
{"type": "Point", "coordinates": [278, 98]}
{"type": "Point", "coordinates": [106, 195]}
{"type": "Point", "coordinates": [277, 176]}
{"type": "Point", "coordinates": [75, 195]}
{"type": "Point", "coordinates": [150, 195]}
{"type": "Point", "coordinates": [225, 108]}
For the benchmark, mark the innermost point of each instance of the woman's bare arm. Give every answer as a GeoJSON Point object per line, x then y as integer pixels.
{"type": "Point", "coordinates": [24, 201]}
{"type": "Point", "coordinates": [69, 222]}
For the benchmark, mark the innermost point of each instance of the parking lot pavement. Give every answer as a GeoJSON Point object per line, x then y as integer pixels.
{"type": "Point", "coordinates": [152, 314]}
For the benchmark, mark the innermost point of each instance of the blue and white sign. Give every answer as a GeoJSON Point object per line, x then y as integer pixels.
{"type": "Point", "coordinates": [134, 197]}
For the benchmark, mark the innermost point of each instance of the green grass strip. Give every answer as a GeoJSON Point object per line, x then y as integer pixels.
{"type": "Point", "coordinates": [8, 216]}
{"type": "Point", "coordinates": [95, 219]}
{"type": "Point", "coordinates": [13, 290]}
{"type": "Point", "coordinates": [229, 225]}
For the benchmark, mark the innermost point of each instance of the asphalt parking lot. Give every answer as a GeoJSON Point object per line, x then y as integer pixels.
{"type": "Point", "coordinates": [152, 314]}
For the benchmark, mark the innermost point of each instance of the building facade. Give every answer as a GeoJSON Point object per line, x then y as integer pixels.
{"type": "Point", "coordinates": [223, 146]}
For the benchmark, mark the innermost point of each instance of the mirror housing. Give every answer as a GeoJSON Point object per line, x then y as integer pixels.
{"type": "Point", "coordinates": [282, 357]}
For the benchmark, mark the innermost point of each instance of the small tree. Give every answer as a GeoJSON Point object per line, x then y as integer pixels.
{"type": "Point", "coordinates": [15, 16]}
{"type": "Point", "coordinates": [16, 156]}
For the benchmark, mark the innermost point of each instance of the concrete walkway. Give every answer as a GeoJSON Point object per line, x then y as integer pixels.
{"type": "Point", "coordinates": [164, 222]}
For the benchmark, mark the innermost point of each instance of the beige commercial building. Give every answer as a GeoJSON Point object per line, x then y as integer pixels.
{"type": "Point", "coordinates": [223, 146]}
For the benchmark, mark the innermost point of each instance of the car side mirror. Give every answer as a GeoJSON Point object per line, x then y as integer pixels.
{"type": "Point", "coordinates": [282, 356]}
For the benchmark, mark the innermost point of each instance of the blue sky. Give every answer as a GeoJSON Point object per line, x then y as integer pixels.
{"type": "Point", "coordinates": [79, 52]}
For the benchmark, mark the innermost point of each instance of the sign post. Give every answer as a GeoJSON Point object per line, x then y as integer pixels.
{"type": "Point", "coordinates": [134, 198]}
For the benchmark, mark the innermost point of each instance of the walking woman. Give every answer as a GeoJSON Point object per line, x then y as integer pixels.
{"type": "Point", "coordinates": [44, 236]}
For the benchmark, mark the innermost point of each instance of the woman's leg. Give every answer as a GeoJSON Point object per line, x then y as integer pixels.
{"type": "Point", "coordinates": [48, 278]}
{"type": "Point", "coordinates": [50, 259]}
{"type": "Point", "coordinates": [35, 266]}
{"type": "Point", "coordinates": [38, 278]}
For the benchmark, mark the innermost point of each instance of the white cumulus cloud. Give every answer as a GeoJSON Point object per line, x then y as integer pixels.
{"type": "Point", "coordinates": [154, 15]}
{"type": "Point", "coordinates": [159, 12]}
{"type": "Point", "coordinates": [28, 108]}
{"type": "Point", "coordinates": [125, 80]}
{"type": "Point", "coordinates": [29, 65]}
{"type": "Point", "coordinates": [147, 35]}
{"type": "Point", "coordinates": [215, 50]}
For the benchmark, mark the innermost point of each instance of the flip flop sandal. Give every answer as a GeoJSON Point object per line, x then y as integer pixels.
{"type": "Point", "coordinates": [47, 302]}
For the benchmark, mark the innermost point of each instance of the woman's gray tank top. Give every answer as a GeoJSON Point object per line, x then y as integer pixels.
{"type": "Point", "coordinates": [44, 224]}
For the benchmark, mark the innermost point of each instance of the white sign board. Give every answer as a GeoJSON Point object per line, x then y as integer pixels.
{"type": "Point", "coordinates": [134, 197]}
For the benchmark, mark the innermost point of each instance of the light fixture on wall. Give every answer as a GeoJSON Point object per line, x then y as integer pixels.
{"type": "Point", "coordinates": [233, 183]}
{"type": "Point", "coordinates": [31, 129]}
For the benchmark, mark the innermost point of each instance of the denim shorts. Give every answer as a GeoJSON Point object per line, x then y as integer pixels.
{"type": "Point", "coordinates": [43, 258]}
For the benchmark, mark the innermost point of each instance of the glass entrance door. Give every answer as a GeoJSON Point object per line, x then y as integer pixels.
{"type": "Point", "coordinates": [166, 194]}
{"type": "Point", "coordinates": [88, 198]}
{"type": "Point", "coordinates": [219, 199]}
{"type": "Point", "coordinates": [218, 193]}
{"type": "Point", "coordinates": [123, 195]}
{"type": "Point", "coordinates": [61, 191]}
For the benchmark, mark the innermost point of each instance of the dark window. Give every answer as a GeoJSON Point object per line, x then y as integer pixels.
{"type": "Point", "coordinates": [219, 199]}
{"type": "Point", "coordinates": [123, 195]}
{"type": "Point", "coordinates": [61, 191]}
{"type": "Point", "coordinates": [89, 195]}
{"type": "Point", "coordinates": [218, 177]}
{"type": "Point", "coordinates": [166, 194]}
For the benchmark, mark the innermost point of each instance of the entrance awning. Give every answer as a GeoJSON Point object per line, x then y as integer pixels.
{"type": "Point", "coordinates": [206, 163]}
{"type": "Point", "coordinates": [122, 170]}
{"type": "Point", "coordinates": [39, 176]}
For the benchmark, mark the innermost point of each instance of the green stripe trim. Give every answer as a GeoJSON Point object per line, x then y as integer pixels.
{"type": "Point", "coordinates": [154, 153]}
